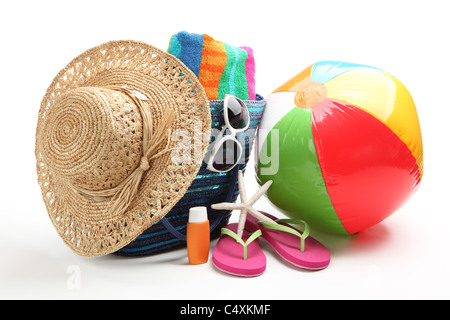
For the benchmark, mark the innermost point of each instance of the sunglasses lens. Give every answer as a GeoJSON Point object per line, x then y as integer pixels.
{"type": "Point", "coordinates": [238, 116]}
{"type": "Point", "coordinates": [226, 156]}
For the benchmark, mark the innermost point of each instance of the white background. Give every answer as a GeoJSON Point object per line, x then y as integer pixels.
{"type": "Point", "coordinates": [404, 257]}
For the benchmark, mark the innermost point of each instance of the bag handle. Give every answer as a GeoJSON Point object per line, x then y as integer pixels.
{"type": "Point", "coordinates": [220, 213]}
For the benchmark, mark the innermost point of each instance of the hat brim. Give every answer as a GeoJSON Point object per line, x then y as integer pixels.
{"type": "Point", "coordinates": [86, 225]}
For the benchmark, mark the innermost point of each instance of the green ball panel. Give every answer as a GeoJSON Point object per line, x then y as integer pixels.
{"type": "Point", "coordinates": [298, 188]}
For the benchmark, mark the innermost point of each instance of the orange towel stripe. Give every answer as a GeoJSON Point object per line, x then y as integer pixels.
{"type": "Point", "coordinates": [214, 59]}
{"type": "Point", "coordinates": [212, 68]}
{"type": "Point", "coordinates": [210, 83]}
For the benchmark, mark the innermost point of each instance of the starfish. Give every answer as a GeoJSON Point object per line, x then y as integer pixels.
{"type": "Point", "coordinates": [246, 205]}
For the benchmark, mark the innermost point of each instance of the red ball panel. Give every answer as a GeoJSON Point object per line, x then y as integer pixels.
{"type": "Point", "coordinates": [368, 171]}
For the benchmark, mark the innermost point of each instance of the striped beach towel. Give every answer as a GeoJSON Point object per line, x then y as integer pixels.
{"type": "Point", "coordinates": [221, 68]}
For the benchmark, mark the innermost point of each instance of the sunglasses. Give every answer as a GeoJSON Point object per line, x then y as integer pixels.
{"type": "Point", "coordinates": [227, 151]}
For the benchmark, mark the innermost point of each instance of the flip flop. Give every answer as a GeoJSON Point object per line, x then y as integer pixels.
{"type": "Point", "coordinates": [296, 247]}
{"type": "Point", "coordinates": [236, 256]}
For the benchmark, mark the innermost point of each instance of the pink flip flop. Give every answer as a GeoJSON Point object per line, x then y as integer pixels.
{"type": "Point", "coordinates": [236, 256]}
{"type": "Point", "coordinates": [295, 247]}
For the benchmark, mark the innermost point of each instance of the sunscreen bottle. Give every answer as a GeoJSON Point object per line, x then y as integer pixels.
{"type": "Point", "coordinates": [197, 235]}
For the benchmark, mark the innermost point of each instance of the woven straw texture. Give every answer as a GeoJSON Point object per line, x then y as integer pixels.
{"type": "Point", "coordinates": [91, 137]}
{"type": "Point", "coordinates": [207, 188]}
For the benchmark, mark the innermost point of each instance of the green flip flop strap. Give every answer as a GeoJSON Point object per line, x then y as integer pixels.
{"type": "Point", "coordinates": [280, 227]}
{"type": "Point", "coordinates": [238, 239]}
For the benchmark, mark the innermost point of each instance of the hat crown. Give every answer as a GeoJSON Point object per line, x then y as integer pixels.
{"type": "Point", "coordinates": [92, 137]}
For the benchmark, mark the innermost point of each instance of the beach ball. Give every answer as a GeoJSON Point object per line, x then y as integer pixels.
{"type": "Point", "coordinates": [342, 144]}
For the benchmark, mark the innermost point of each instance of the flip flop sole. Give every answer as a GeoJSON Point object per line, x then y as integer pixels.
{"type": "Point", "coordinates": [238, 274]}
{"type": "Point", "coordinates": [228, 256]}
{"type": "Point", "coordinates": [315, 257]}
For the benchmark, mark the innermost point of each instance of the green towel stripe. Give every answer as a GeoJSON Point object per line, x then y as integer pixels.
{"type": "Point", "coordinates": [234, 79]}
{"type": "Point", "coordinates": [240, 77]}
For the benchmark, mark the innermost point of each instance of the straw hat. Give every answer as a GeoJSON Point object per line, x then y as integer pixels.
{"type": "Point", "coordinates": [107, 138]}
